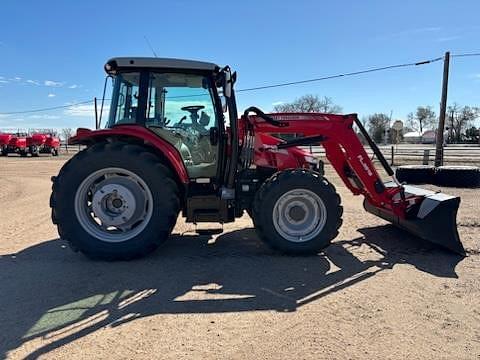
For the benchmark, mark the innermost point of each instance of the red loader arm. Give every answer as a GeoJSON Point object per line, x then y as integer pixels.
{"type": "Point", "coordinates": [343, 150]}
{"type": "Point", "coordinates": [429, 215]}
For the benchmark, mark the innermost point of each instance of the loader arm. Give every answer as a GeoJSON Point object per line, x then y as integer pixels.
{"type": "Point", "coordinates": [343, 149]}
{"type": "Point", "coordinates": [426, 214]}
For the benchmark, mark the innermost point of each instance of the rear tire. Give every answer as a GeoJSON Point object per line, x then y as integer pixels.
{"type": "Point", "coordinates": [84, 207]}
{"type": "Point", "coordinates": [458, 176]}
{"type": "Point", "coordinates": [415, 174]}
{"type": "Point", "coordinates": [297, 212]}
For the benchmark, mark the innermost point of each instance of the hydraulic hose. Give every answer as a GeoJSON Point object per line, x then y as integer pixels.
{"type": "Point", "coordinates": [264, 116]}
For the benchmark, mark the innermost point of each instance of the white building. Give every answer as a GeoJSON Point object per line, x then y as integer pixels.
{"type": "Point", "coordinates": [415, 137]}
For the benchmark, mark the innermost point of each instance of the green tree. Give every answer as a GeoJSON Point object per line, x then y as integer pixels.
{"type": "Point", "coordinates": [423, 118]}
{"type": "Point", "coordinates": [377, 125]}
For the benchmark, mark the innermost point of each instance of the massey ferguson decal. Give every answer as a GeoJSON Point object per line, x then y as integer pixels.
{"type": "Point", "coordinates": [364, 165]}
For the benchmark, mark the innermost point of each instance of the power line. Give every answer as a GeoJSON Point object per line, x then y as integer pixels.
{"type": "Point", "coordinates": [329, 77]}
{"type": "Point", "coordinates": [354, 73]}
{"type": "Point", "coordinates": [47, 109]}
{"type": "Point", "coordinates": [465, 55]}
{"type": "Point", "coordinates": [342, 75]}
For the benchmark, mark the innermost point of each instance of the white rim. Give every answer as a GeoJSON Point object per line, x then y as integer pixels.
{"type": "Point", "coordinates": [299, 215]}
{"type": "Point", "coordinates": [113, 204]}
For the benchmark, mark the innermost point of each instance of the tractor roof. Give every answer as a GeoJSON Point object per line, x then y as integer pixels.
{"type": "Point", "coordinates": [157, 63]}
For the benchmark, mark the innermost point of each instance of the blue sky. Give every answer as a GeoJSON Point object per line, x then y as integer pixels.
{"type": "Point", "coordinates": [52, 52]}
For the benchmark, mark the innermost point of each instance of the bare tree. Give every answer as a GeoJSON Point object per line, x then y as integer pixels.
{"type": "Point", "coordinates": [66, 133]}
{"type": "Point", "coordinates": [459, 119]}
{"type": "Point", "coordinates": [424, 117]}
{"type": "Point", "coordinates": [309, 103]}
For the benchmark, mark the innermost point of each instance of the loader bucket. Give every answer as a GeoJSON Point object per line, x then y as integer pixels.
{"type": "Point", "coordinates": [434, 220]}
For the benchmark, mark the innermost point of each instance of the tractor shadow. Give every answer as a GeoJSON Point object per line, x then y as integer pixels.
{"type": "Point", "coordinates": [50, 292]}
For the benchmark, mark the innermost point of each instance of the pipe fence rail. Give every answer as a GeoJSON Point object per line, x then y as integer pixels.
{"type": "Point", "coordinates": [401, 154]}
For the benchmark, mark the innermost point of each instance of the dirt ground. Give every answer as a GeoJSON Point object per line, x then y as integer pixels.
{"type": "Point", "coordinates": [376, 292]}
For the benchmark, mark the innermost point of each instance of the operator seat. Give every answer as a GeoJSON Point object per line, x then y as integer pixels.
{"type": "Point", "coordinates": [204, 121]}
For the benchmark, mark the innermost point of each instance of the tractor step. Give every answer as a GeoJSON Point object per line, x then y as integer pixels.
{"type": "Point", "coordinates": [208, 208]}
{"type": "Point", "coordinates": [209, 232]}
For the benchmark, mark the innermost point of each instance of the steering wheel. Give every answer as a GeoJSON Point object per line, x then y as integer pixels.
{"type": "Point", "coordinates": [193, 109]}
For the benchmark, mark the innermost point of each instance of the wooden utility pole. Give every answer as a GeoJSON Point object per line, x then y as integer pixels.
{"type": "Point", "coordinates": [443, 110]}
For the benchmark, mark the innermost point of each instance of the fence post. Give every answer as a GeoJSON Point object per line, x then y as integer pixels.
{"type": "Point", "coordinates": [392, 160]}
{"type": "Point", "coordinates": [426, 156]}
{"type": "Point", "coordinates": [441, 117]}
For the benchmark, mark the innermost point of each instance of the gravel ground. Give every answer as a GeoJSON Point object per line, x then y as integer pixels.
{"type": "Point", "coordinates": [376, 292]}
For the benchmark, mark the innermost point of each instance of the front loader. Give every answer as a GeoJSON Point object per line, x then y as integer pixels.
{"type": "Point", "coordinates": [173, 142]}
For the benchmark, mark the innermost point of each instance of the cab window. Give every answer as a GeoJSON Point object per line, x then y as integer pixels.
{"type": "Point", "coordinates": [125, 99]}
{"type": "Point", "coordinates": [180, 109]}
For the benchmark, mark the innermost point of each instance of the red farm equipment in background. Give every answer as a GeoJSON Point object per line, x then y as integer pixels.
{"type": "Point", "coordinates": [33, 142]}
{"type": "Point", "coordinates": [43, 143]}
{"type": "Point", "coordinates": [4, 141]}
{"type": "Point", "coordinates": [17, 144]}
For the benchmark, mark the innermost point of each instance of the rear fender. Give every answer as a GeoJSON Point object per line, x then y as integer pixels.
{"type": "Point", "coordinates": [136, 134]}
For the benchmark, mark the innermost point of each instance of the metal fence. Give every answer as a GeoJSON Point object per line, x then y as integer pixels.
{"type": "Point", "coordinates": [400, 154]}
{"type": "Point", "coordinates": [70, 149]}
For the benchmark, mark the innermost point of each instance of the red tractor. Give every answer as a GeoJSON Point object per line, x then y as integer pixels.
{"type": "Point", "coordinates": [4, 141]}
{"type": "Point", "coordinates": [173, 143]}
{"type": "Point", "coordinates": [43, 143]}
{"type": "Point", "coordinates": [17, 144]}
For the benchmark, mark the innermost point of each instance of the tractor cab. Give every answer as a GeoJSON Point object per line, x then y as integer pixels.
{"type": "Point", "coordinates": [180, 101]}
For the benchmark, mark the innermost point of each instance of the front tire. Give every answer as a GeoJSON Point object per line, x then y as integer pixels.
{"type": "Point", "coordinates": [115, 201]}
{"type": "Point", "coordinates": [297, 212]}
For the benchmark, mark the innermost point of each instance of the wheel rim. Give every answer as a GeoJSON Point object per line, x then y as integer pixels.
{"type": "Point", "coordinates": [299, 215]}
{"type": "Point", "coordinates": [113, 204]}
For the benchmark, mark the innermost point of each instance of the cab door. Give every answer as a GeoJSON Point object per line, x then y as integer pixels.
{"type": "Point", "coordinates": [181, 110]}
